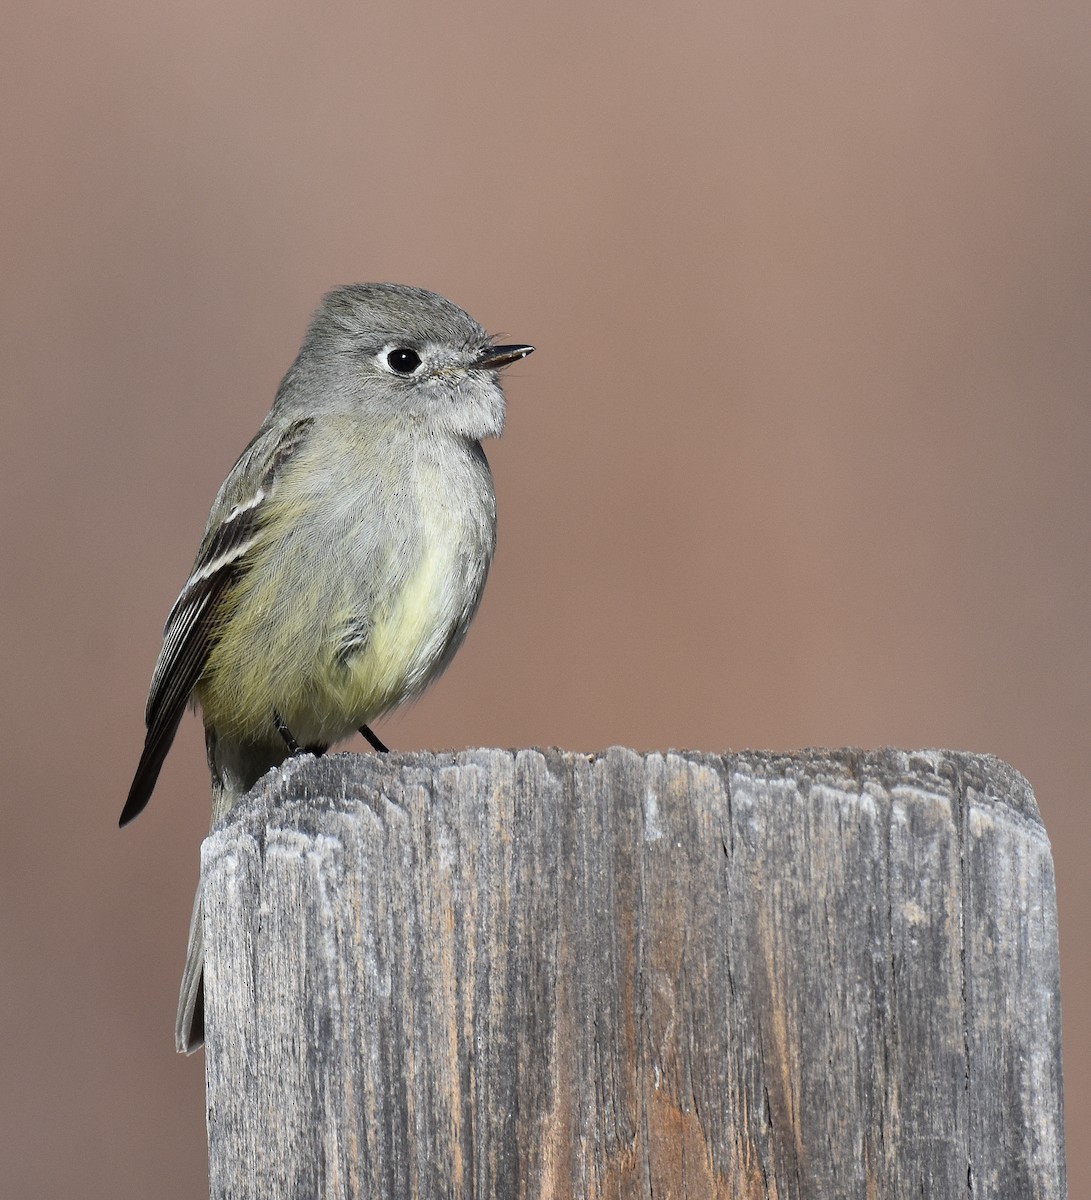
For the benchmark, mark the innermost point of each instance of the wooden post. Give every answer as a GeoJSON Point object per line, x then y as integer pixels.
{"type": "Point", "coordinates": [529, 974]}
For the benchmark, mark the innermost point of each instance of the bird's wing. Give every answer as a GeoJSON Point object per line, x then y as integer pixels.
{"type": "Point", "coordinates": [233, 529]}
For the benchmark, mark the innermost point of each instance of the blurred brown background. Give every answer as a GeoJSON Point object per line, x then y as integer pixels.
{"type": "Point", "coordinates": [801, 459]}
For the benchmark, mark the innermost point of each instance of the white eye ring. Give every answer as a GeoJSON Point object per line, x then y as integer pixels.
{"type": "Point", "coordinates": [400, 360]}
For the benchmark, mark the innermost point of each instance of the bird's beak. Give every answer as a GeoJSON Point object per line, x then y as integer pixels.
{"type": "Point", "coordinates": [499, 356]}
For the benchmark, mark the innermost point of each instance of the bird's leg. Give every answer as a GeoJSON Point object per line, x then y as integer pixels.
{"type": "Point", "coordinates": [372, 740]}
{"type": "Point", "coordinates": [294, 747]}
{"type": "Point", "coordinates": [286, 733]}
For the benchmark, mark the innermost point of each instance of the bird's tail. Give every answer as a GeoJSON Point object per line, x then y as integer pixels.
{"type": "Point", "coordinates": [233, 773]}
{"type": "Point", "coordinates": [235, 767]}
{"type": "Point", "coordinates": [189, 1030]}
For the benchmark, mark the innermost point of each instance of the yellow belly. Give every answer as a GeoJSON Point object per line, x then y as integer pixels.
{"type": "Point", "coordinates": [329, 629]}
{"type": "Point", "coordinates": [405, 644]}
{"type": "Point", "coordinates": [410, 636]}
{"type": "Point", "coordinates": [293, 659]}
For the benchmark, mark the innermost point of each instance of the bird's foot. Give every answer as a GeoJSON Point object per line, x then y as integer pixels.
{"type": "Point", "coordinates": [373, 741]}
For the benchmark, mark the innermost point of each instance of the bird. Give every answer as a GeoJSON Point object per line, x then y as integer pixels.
{"type": "Point", "coordinates": [344, 556]}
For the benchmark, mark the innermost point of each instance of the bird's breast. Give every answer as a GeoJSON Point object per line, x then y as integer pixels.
{"type": "Point", "coordinates": [437, 577]}
{"type": "Point", "coordinates": [361, 599]}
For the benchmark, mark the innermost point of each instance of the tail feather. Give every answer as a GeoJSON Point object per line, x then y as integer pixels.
{"type": "Point", "coordinates": [189, 1030]}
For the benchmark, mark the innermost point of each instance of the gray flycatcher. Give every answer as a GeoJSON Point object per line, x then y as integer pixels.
{"type": "Point", "coordinates": [344, 557]}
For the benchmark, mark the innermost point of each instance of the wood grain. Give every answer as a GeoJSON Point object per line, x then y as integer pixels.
{"type": "Point", "coordinates": [545, 974]}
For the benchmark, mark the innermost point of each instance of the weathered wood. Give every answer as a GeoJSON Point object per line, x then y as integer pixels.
{"type": "Point", "coordinates": [541, 974]}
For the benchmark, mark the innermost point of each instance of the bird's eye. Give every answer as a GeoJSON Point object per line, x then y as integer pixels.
{"type": "Point", "coordinates": [402, 361]}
